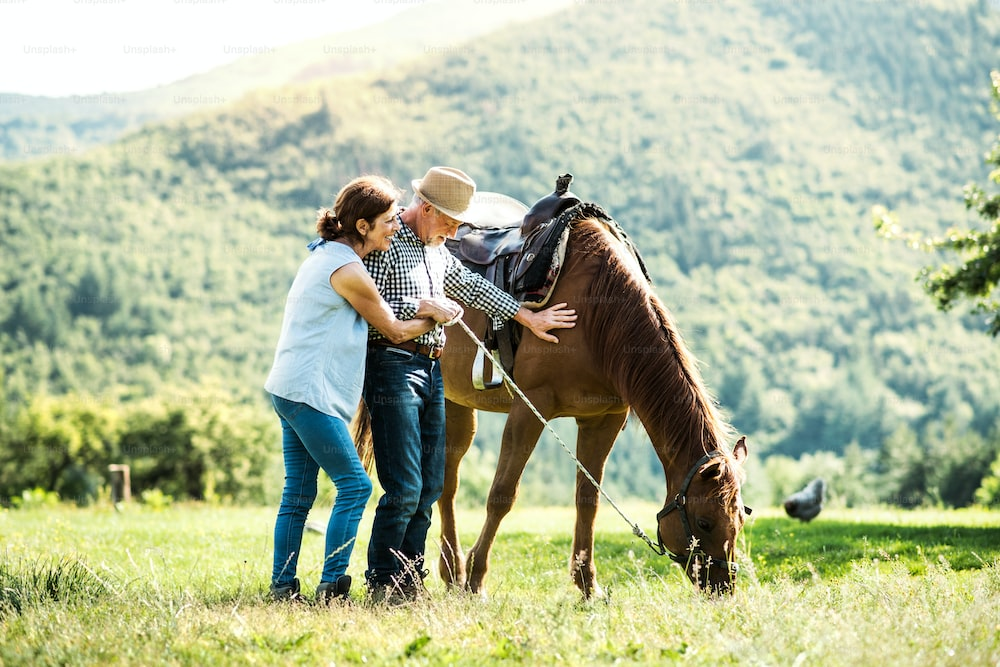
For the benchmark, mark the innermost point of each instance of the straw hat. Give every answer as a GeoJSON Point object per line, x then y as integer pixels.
{"type": "Point", "coordinates": [448, 190]}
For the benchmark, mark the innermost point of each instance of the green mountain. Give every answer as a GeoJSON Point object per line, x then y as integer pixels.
{"type": "Point", "coordinates": [742, 145]}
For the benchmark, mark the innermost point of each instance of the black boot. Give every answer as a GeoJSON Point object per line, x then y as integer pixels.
{"type": "Point", "coordinates": [329, 591]}
{"type": "Point", "coordinates": [287, 592]}
{"type": "Point", "coordinates": [411, 579]}
{"type": "Point", "coordinates": [386, 592]}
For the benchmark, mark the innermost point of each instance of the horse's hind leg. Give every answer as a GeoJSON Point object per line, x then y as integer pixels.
{"type": "Point", "coordinates": [595, 438]}
{"type": "Point", "coordinates": [460, 427]}
{"type": "Point", "coordinates": [519, 437]}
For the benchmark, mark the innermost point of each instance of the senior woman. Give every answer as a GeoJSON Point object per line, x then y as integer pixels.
{"type": "Point", "coordinates": [318, 374]}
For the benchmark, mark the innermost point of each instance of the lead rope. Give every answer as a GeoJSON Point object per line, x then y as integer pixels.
{"type": "Point", "coordinates": [636, 530]}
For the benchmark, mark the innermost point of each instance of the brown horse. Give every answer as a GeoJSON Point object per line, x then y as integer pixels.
{"type": "Point", "coordinates": [624, 353]}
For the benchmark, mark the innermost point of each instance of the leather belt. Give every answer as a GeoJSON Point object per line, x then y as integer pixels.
{"type": "Point", "coordinates": [411, 346]}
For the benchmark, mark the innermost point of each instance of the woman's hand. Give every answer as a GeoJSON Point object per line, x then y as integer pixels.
{"type": "Point", "coordinates": [443, 310]}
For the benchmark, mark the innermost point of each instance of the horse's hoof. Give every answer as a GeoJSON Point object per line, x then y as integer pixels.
{"type": "Point", "coordinates": [479, 592]}
{"type": "Point", "coordinates": [594, 592]}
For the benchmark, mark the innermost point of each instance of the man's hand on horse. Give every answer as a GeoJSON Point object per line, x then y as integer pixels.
{"type": "Point", "coordinates": [541, 321]}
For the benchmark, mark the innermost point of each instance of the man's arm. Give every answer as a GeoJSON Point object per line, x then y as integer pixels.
{"type": "Point", "coordinates": [477, 292]}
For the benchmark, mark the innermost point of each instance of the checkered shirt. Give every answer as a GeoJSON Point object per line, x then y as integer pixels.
{"type": "Point", "coordinates": [410, 271]}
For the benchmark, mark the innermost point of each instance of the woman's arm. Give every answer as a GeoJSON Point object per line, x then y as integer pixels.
{"type": "Point", "coordinates": [353, 282]}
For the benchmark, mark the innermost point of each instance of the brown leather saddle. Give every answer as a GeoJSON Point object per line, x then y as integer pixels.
{"type": "Point", "coordinates": [503, 252]}
{"type": "Point", "coordinates": [522, 257]}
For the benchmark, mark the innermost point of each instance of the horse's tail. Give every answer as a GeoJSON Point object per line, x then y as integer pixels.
{"type": "Point", "coordinates": [361, 433]}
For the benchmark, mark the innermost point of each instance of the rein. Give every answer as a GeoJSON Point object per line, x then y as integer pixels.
{"type": "Point", "coordinates": [679, 502]}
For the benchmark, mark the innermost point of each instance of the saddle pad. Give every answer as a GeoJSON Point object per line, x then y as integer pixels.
{"type": "Point", "coordinates": [544, 252]}
{"type": "Point", "coordinates": [541, 268]}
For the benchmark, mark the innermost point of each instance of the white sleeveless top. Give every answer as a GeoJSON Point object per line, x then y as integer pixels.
{"type": "Point", "coordinates": [320, 357]}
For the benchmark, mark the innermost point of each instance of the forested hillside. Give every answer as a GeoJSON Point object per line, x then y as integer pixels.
{"type": "Point", "coordinates": [741, 145]}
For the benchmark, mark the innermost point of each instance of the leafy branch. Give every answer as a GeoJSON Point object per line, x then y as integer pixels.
{"type": "Point", "coordinates": [978, 275]}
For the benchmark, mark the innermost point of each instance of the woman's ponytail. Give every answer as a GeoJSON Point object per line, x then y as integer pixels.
{"type": "Point", "coordinates": [328, 226]}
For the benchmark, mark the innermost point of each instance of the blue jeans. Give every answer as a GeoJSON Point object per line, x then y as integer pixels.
{"type": "Point", "coordinates": [405, 396]}
{"type": "Point", "coordinates": [312, 440]}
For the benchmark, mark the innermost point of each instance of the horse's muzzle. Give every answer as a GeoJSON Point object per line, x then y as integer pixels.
{"type": "Point", "coordinates": [708, 574]}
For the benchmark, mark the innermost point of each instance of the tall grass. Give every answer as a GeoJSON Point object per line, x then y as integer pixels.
{"type": "Point", "coordinates": [187, 586]}
{"type": "Point", "coordinates": [27, 583]}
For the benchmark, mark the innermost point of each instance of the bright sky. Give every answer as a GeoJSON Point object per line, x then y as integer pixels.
{"type": "Point", "coordinates": [86, 47]}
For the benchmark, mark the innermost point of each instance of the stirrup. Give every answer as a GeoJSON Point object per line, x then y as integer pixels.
{"type": "Point", "coordinates": [495, 379]}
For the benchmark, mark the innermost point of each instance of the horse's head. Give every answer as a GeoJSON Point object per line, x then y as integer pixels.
{"type": "Point", "coordinates": [699, 527]}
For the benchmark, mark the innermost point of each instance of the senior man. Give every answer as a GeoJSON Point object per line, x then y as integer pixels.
{"type": "Point", "coordinates": [404, 391]}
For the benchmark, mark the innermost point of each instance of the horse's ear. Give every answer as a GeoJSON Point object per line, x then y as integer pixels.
{"type": "Point", "coordinates": [740, 450]}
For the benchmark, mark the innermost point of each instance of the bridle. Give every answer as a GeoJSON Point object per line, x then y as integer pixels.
{"type": "Point", "coordinates": [680, 503]}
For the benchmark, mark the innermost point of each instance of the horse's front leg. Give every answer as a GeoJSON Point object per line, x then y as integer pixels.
{"type": "Point", "coordinates": [595, 437]}
{"type": "Point", "coordinates": [519, 437]}
{"type": "Point", "coordinates": [460, 429]}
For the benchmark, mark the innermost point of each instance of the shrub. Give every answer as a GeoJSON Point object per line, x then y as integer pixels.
{"type": "Point", "coordinates": [58, 444]}
{"type": "Point", "coordinates": [200, 448]}
{"type": "Point", "coordinates": [156, 499]}
{"type": "Point", "coordinates": [197, 446]}
{"type": "Point", "coordinates": [988, 493]}
{"type": "Point", "coordinates": [32, 498]}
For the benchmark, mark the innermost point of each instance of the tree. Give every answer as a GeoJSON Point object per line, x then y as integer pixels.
{"type": "Point", "coordinates": [989, 491]}
{"type": "Point", "coordinates": [979, 250]}
{"type": "Point", "coordinates": [98, 292]}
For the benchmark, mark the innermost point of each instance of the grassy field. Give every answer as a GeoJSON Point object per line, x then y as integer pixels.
{"type": "Point", "coordinates": [186, 585]}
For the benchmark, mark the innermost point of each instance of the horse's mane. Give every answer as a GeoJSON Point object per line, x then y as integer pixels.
{"type": "Point", "coordinates": [643, 352]}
